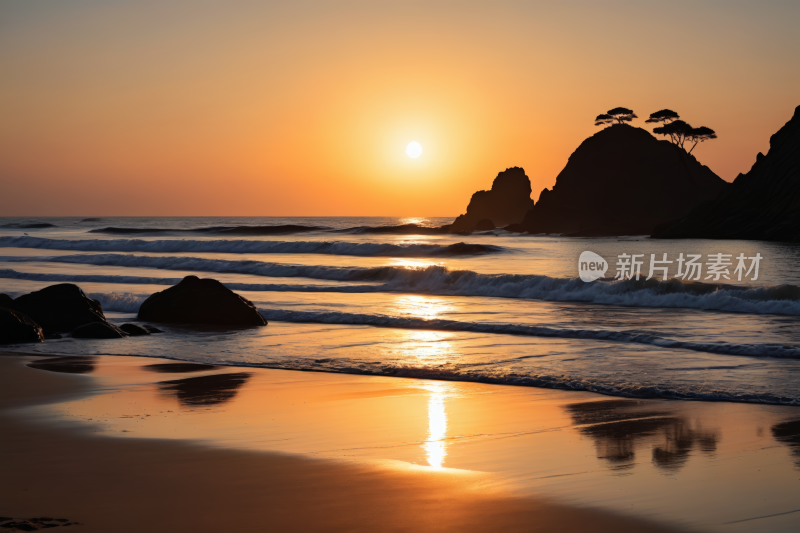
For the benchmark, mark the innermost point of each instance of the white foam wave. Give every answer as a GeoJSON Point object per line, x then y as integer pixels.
{"type": "Point", "coordinates": [249, 247]}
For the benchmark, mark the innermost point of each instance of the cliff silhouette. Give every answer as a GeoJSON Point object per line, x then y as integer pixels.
{"type": "Point", "coordinates": [763, 204]}
{"type": "Point", "coordinates": [621, 181]}
{"type": "Point", "coordinates": [506, 203]}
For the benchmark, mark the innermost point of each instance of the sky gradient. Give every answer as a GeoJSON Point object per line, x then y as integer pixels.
{"type": "Point", "coordinates": [197, 107]}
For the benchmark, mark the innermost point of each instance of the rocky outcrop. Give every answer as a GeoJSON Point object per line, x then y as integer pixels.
{"type": "Point", "coordinates": [200, 301]}
{"type": "Point", "coordinates": [763, 204]}
{"type": "Point", "coordinates": [506, 203]}
{"type": "Point", "coordinates": [16, 327]}
{"type": "Point", "coordinates": [60, 308]}
{"type": "Point", "coordinates": [98, 330]}
{"type": "Point", "coordinates": [621, 181]}
{"type": "Point", "coordinates": [134, 330]}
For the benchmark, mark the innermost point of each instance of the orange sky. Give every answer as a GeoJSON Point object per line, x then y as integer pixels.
{"type": "Point", "coordinates": [197, 107]}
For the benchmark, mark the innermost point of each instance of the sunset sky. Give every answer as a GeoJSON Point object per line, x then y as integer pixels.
{"type": "Point", "coordinates": [197, 107]}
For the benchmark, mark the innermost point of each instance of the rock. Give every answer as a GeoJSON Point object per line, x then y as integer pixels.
{"type": "Point", "coordinates": [6, 301]}
{"type": "Point", "coordinates": [60, 308]}
{"type": "Point", "coordinates": [484, 225]}
{"type": "Point", "coordinates": [200, 301]}
{"type": "Point", "coordinates": [763, 204]}
{"type": "Point", "coordinates": [621, 181]}
{"type": "Point", "coordinates": [16, 327]}
{"type": "Point", "coordinates": [152, 329]}
{"type": "Point", "coordinates": [506, 203]}
{"type": "Point", "coordinates": [134, 330]}
{"type": "Point", "coordinates": [97, 330]}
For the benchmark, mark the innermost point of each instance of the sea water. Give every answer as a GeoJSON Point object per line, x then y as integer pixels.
{"type": "Point", "coordinates": [369, 295]}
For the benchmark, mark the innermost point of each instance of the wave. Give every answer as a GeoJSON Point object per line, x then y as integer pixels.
{"type": "Point", "coordinates": [141, 280]}
{"type": "Point", "coordinates": [779, 300]}
{"type": "Point", "coordinates": [127, 302]}
{"type": "Point", "coordinates": [335, 317]}
{"type": "Point", "coordinates": [34, 225]}
{"type": "Point", "coordinates": [221, 230]}
{"type": "Point", "coordinates": [402, 229]}
{"type": "Point", "coordinates": [366, 249]}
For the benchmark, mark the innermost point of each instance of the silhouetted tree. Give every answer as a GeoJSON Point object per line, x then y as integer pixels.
{"type": "Point", "coordinates": [701, 134]}
{"type": "Point", "coordinates": [621, 114]}
{"type": "Point", "coordinates": [665, 116]}
{"type": "Point", "coordinates": [603, 119]}
{"type": "Point", "coordinates": [677, 131]}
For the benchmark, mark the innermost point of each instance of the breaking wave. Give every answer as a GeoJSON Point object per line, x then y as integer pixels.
{"type": "Point", "coordinates": [221, 230]}
{"type": "Point", "coordinates": [33, 225]}
{"type": "Point", "coordinates": [402, 229]}
{"type": "Point", "coordinates": [782, 299]}
{"type": "Point", "coordinates": [248, 246]}
{"type": "Point", "coordinates": [127, 302]}
{"type": "Point", "coordinates": [142, 280]}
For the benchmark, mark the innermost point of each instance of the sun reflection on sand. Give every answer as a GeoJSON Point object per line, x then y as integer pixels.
{"type": "Point", "coordinates": [436, 446]}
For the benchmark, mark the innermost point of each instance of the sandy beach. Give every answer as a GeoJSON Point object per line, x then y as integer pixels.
{"type": "Point", "coordinates": [132, 444]}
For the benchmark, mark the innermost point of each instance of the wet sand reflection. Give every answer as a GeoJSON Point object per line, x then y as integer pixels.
{"type": "Point", "coordinates": [203, 391]}
{"type": "Point", "coordinates": [789, 433]}
{"type": "Point", "coordinates": [179, 368]}
{"type": "Point", "coordinates": [436, 445]}
{"type": "Point", "coordinates": [67, 365]}
{"type": "Point", "coordinates": [618, 427]}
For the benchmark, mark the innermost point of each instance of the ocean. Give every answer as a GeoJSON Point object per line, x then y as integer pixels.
{"type": "Point", "coordinates": [372, 295]}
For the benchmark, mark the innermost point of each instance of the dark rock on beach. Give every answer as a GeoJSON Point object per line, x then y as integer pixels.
{"type": "Point", "coordinates": [621, 181]}
{"type": "Point", "coordinates": [763, 204]}
{"type": "Point", "coordinates": [506, 203]}
{"type": "Point", "coordinates": [17, 327]}
{"type": "Point", "coordinates": [200, 301]}
{"type": "Point", "coordinates": [98, 330]}
{"type": "Point", "coordinates": [60, 308]}
{"type": "Point", "coordinates": [134, 330]}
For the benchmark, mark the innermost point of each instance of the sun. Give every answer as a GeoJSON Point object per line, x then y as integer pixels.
{"type": "Point", "coordinates": [414, 150]}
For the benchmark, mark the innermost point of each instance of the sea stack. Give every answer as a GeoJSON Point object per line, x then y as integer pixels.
{"type": "Point", "coordinates": [621, 181]}
{"type": "Point", "coordinates": [506, 203]}
{"type": "Point", "coordinates": [763, 204]}
{"type": "Point", "coordinates": [200, 301]}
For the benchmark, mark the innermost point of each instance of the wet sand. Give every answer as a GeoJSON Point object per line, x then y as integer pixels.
{"type": "Point", "coordinates": [134, 444]}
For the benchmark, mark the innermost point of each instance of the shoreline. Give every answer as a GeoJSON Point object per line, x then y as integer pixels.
{"type": "Point", "coordinates": [131, 484]}
{"type": "Point", "coordinates": [533, 454]}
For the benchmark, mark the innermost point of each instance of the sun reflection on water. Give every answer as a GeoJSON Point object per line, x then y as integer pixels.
{"type": "Point", "coordinates": [436, 445]}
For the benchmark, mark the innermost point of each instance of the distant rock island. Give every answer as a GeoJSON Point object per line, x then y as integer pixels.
{"type": "Point", "coordinates": [506, 203]}
{"type": "Point", "coordinates": [763, 204]}
{"type": "Point", "coordinates": [621, 181]}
